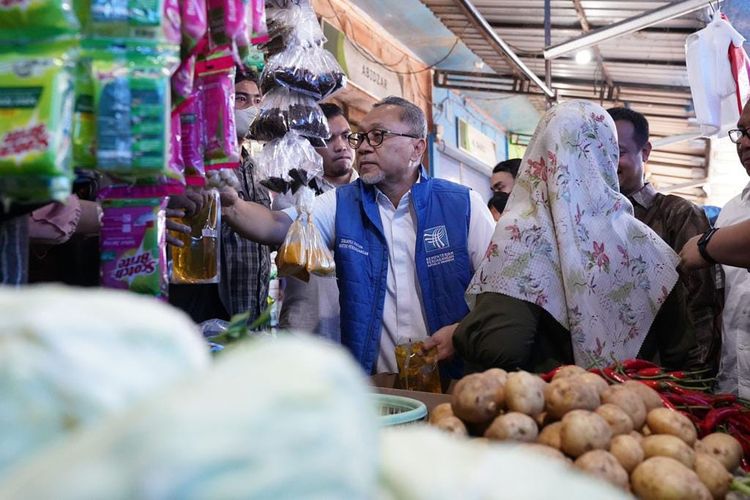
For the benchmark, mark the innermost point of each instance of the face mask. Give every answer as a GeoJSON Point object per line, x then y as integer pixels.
{"type": "Point", "coordinates": [243, 118]}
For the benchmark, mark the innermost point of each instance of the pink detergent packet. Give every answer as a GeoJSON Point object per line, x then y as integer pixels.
{"type": "Point", "coordinates": [191, 127]}
{"type": "Point", "coordinates": [172, 22]}
{"type": "Point", "coordinates": [225, 21]}
{"type": "Point", "coordinates": [194, 24]}
{"type": "Point", "coordinates": [182, 81]}
{"type": "Point", "coordinates": [257, 22]}
{"type": "Point", "coordinates": [133, 243]}
{"type": "Point", "coordinates": [174, 181]}
{"type": "Point", "coordinates": [216, 78]}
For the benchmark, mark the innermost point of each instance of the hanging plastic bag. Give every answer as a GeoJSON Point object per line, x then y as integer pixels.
{"type": "Point", "coordinates": [191, 131]}
{"type": "Point", "coordinates": [283, 110]}
{"type": "Point", "coordinates": [287, 163]}
{"type": "Point", "coordinates": [194, 25]}
{"type": "Point", "coordinates": [84, 121]}
{"type": "Point", "coordinates": [216, 78]}
{"type": "Point", "coordinates": [291, 259]}
{"type": "Point", "coordinates": [226, 21]}
{"type": "Point", "coordinates": [36, 116]}
{"type": "Point", "coordinates": [181, 81]}
{"type": "Point", "coordinates": [740, 63]}
{"type": "Point", "coordinates": [319, 257]}
{"type": "Point", "coordinates": [310, 70]}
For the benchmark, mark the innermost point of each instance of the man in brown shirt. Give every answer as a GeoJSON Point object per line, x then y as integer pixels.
{"type": "Point", "coordinates": [675, 220]}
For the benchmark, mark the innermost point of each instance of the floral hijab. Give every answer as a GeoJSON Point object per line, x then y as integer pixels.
{"type": "Point", "coordinates": [568, 240]}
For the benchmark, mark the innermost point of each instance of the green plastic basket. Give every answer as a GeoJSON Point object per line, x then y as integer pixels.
{"type": "Point", "coordinates": [398, 410]}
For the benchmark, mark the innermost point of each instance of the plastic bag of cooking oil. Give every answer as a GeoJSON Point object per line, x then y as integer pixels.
{"type": "Point", "coordinates": [319, 257]}
{"type": "Point", "coordinates": [36, 114]}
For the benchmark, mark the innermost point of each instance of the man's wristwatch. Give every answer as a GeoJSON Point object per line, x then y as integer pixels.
{"type": "Point", "coordinates": [703, 242]}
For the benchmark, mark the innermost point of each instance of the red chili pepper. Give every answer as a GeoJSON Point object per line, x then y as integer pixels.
{"type": "Point", "coordinates": [650, 372]}
{"type": "Point", "coordinates": [611, 374]}
{"type": "Point", "coordinates": [717, 416]}
{"type": "Point", "coordinates": [548, 376]}
{"type": "Point", "coordinates": [724, 399]}
{"type": "Point", "coordinates": [633, 365]}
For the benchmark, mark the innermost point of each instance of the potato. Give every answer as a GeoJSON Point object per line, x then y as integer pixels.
{"type": "Point", "coordinates": [628, 400]}
{"type": "Point", "coordinates": [441, 411]}
{"type": "Point", "coordinates": [513, 426]}
{"type": "Point", "coordinates": [664, 478]}
{"type": "Point", "coordinates": [649, 396]}
{"type": "Point", "coordinates": [627, 450]}
{"type": "Point", "coordinates": [713, 474]}
{"type": "Point", "coordinates": [500, 375]}
{"type": "Point", "coordinates": [593, 379]}
{"type": "Point", "coordinates": [723, 448]}
{"type": "Point", "coordinates": [523, 393]}
{"type": "Point", "coordinates": [666, 421]}
{"type": "Point", "coordinates": [646, 431]}
{"type": "Point", "coordinates": [666, 445]}
{"type": "Point", "coordinates": [583, 431]}
{"type": "Point", "coordinates": [566, 394]}
{"type": "Point", "coordinates": [568, 371]}
{"type": "Point", "coordinates": [637, 435]}
{"type": "Point", "coordinates": [452, 425]}
{"type": "Point", "coordinates": [477, 399]}
{"type": "Point", "coordinates": [550, 435]}
{"type": "Point", "coordinates": [618, 420]}
{"type": "Point", "coordinates": [545, 450]}
{"type": "Point", "coordinates": [604, 465]}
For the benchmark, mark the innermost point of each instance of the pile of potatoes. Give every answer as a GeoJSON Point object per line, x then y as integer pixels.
{"type": "Point", "coordinates": [621, 433]}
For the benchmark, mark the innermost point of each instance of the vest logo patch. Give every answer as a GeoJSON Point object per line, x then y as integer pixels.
{"type": "Point", "coordinates": [347, 244]}
{"type": "Point", "coordinates": [435, 238]}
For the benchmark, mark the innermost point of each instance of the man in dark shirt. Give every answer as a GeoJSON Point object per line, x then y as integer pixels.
{"type": "Point", "coordinates": [675, 220]}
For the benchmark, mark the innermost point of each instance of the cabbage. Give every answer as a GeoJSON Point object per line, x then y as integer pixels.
{"type": "Point", "coordinates": [274, 419]}
{"type": "Point", "coordinates": [423, 463]}
{"type": "Point", "coordinates": [70, 356]}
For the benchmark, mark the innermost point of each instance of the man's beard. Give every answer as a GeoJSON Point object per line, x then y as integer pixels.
{"type": "Point", "coordinates": [373, 177]}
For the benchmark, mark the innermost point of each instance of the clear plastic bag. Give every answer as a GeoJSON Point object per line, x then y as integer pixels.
{"type": "Point", "coordinates": [292, 256]}
{"type": "Point", "coordinates": [287, 163]}
{"type": "Point", "coordinates": [310, 70]}
{"type": "Point", "coordinates": [319, 257]}
{"type": "Point", "coordinates": [293, 22]}
{"type": "Point", "coordinates": [283, 110]}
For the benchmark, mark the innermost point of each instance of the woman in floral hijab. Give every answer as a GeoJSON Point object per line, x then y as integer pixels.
{"type": "Point", "coordinates": [571, 275]}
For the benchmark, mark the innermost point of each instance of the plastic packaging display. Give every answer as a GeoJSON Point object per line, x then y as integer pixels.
{"type": "Point", "coordinates": [257, 21]}
{"type": "Point", "coordinates": [287, 163]}
{"type": "Point", "coordinates": [175, 179]}
{"type": "Point", "coordinates": [182, 81]}
{"type": "Point", "coordinates": [84, 122]}
{"type": "Point", "coordinates": [36, 116]}
{"type": "Point", "coordinates": [133, 245]}
{"type": "Point", "coordinates": [291, 23]}
{"type": "Point", "coordinates": [283, 110]}
{"type": "Point", "coordinates": [191, 128]}
{"type": "Point", "coordinates": [194, 25]}
{"type": "Point", "coordinates": [310, 70]}
{"type": "Point", "coordinates": [35, 20]}
{"type": "Point", "coordinates": [198, 260]}
{"type": "Point", "coordinates": [226, 21]}
{"type": "Point", "coordinates": [154, 20]}
{"type": "Point", "coordinates": [216, 78]}
{"type": "Point", "coordinates": [131, 100]}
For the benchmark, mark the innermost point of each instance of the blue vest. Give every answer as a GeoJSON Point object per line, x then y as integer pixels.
{"type": "Point", "coordinates": [441, 256]}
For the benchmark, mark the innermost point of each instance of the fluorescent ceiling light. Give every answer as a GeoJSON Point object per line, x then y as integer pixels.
{"type": "Point", "coordinates": [629, 25]}
{"type": "Point", "coordinates": [583, 56]}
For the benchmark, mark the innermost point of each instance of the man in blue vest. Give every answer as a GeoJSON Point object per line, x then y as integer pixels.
{"type": "Point", "coordinates": [405, 245]}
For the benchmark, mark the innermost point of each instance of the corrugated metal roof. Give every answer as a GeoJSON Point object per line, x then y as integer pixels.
{"type": "Point", "coordinates": [647, 68]}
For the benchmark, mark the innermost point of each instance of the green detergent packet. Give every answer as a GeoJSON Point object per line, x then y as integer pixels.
{"type": "Point", "coordinates": [84, 123]}
{"type": "Point", "coordinates": [132, 109]}
{"type": "Point", "coordinates": [36, 114]}
{"type": "Point", "coordinates": [36, 20]}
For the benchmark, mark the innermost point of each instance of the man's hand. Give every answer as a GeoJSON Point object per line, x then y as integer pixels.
{"type": "Point", "coordinates": [443, 339]}
{"type": "Point", "coordinates": [175, 226]}
{"type": "Point", "coordinates": [191, 202]}
{"type": "Point", "coordinates": [229, 201]}
{"type": "Point", "coordinates": [690, 257]}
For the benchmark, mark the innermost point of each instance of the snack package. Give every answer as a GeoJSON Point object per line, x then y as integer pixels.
{"type": "Point", "coordinates": [226, 21]}
{"type": "Point", "coordinates": [36, 117]}
{"type": "Point", "coordinates": [131, 100]}
{"type": "Point", "coordinates": [288, 163]}
{"type": "Point", "coordinates": [319, 257]}
{"type": "Point", "coordinates": [37, 20]}
{"type": "Point", "coordinates": [151, 20]}
{"type": "Point", "coordinates": [283, 110]}
{"type": "Point", "coordinates": [194, 25]}
{"type": "Point", "coordinates": [84, 121]}
{"type": "Point", "coordinates": [216, 78]}
{"type": "Point", "coordinates": [199, 260]}
{"type": "Point", "coordinates": [191, 128]}
{"type": "Point", "coordinates": [133, 244]}
{"type": "Point", "coordinates": [310, 70]}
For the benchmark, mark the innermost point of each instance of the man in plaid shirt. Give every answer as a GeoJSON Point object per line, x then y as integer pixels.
{"type": "Point", "coordinates": [245, 265]}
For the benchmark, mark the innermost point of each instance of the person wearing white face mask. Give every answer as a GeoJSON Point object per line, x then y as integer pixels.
{"type": "Point", "coordinates": [245, 265]}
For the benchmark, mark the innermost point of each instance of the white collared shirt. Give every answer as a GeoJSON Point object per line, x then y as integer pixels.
{"type": "Point", "coordinates": [734, 371]}
{"type": "Point", "coordinates": [403, 313]}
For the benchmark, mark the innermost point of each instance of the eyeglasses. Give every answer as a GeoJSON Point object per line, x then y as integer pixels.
{"type": "Point", "coordinates": [736, 135]}
{"type": "Point", "coordinates": [374, 137]}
